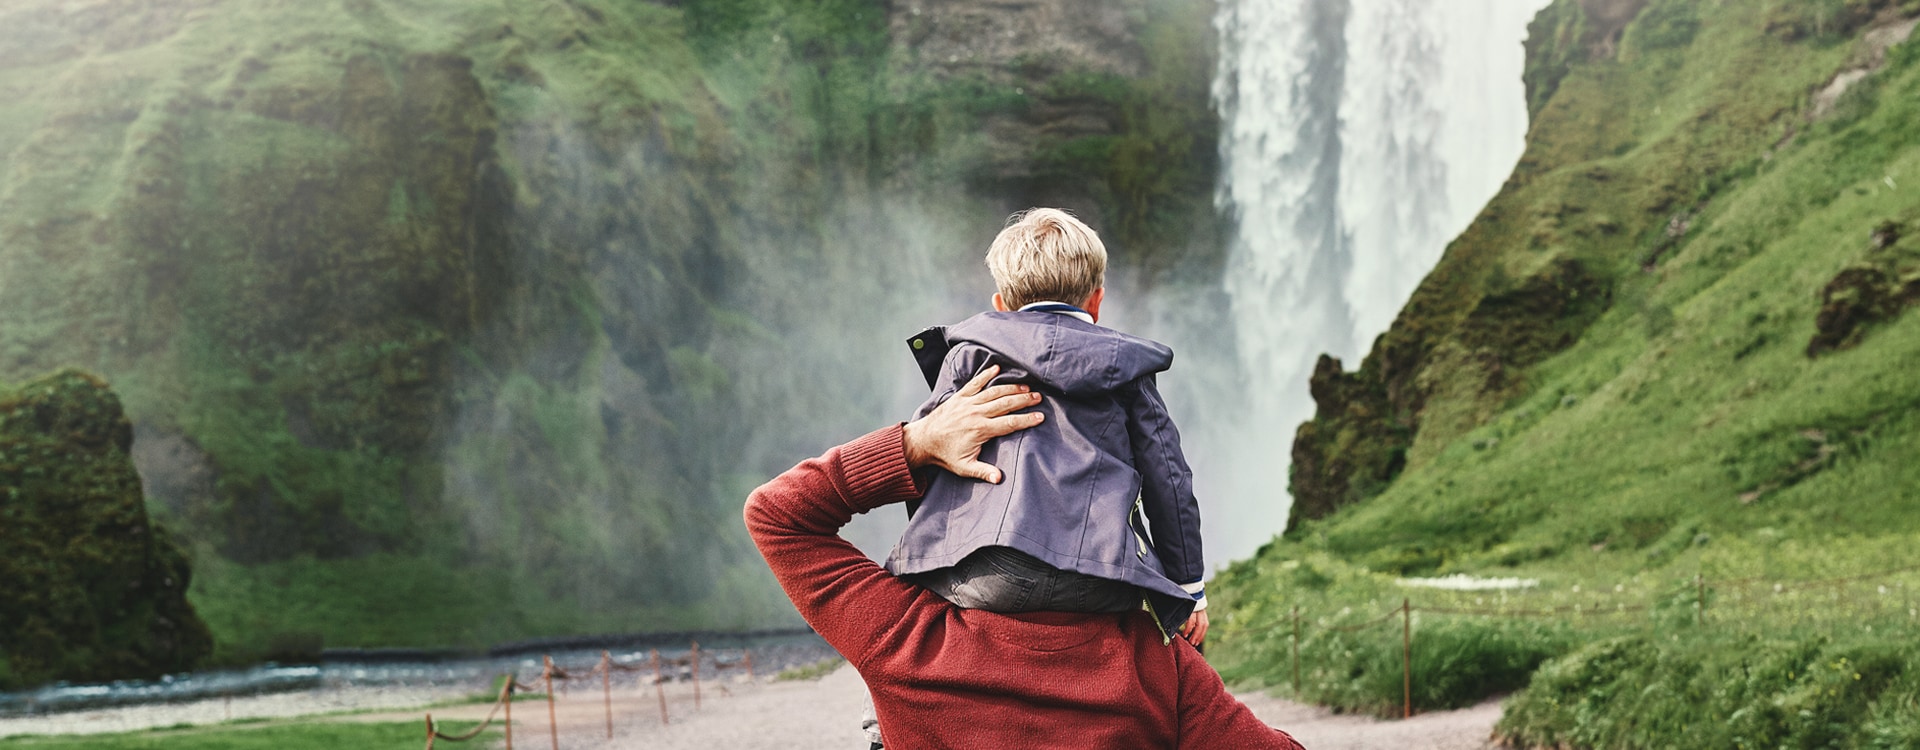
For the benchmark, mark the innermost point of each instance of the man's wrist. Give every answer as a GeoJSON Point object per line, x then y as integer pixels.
{"type": "Point", "coordinates": [910, 443]}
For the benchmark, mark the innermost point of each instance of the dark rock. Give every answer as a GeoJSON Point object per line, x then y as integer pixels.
{"type": "Point", "coordinates": [1366, 421]}
{"type": "Point", "coordinates": [1855, 299]}
{"type": "Point", "coordinates": [95, 590]}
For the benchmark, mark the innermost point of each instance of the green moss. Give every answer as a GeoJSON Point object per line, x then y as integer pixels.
{"type": "Point", "coordinates": [96, 591]}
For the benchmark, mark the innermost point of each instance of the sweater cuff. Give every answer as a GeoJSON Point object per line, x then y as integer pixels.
{"type": "Point", "coordinates": [1197, 590]}
{"type": "Point", "coordinates": [874, 469]}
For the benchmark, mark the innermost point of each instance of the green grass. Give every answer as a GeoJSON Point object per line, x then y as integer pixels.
{"type": "Point", "coordinates": [1685, 431]}
{"type": "Point", "coordinates": [812, 671]}
{"type": "Point", "coordinates": [272, 735]}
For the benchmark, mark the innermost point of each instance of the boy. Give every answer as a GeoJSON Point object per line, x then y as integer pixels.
{"type": "Point", "coordinates": [1092, 510]}
{"type": "Point", "coordinates": [1096, 511]}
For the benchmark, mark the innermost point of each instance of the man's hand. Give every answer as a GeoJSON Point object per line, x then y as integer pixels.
{"type": "Point", "coordinates": [951, 435]}
{"type": "Point", "coordinates": [1195, 629]}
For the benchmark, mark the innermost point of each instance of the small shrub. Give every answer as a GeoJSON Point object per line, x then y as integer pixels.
{"type": "Point", "coordinates": [812, 671]}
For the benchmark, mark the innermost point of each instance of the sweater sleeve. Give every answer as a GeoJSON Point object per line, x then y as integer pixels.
{"type": "Point", "coordinates": [795, 521]}
{"type": "Point", "coordinates": [1166, 488]}
{"type": "Point", "coordinates": [1210, 717]}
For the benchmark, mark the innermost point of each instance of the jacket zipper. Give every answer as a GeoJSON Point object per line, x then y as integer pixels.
{"type": "Point", "coordinates": [1138, 508]}
{"type": "Point", "coordinates": [1165, 640]}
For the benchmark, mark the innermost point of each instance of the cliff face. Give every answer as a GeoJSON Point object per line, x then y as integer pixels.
{"type": "Point", "coordinates": [95, 590]}
{"type": "Point", "coordinates": [1665, 382]}
{"type": "Point", "coordinates": [501, 307]}
{"type": "Point", "coordinates": [1599, 203]}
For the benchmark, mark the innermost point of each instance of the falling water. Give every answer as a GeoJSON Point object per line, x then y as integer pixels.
{"type": "Point", "coordinates": [1359, 137]}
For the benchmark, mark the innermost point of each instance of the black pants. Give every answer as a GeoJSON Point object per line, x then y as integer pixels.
{"type": "Point", "coordinates": [1003, 579]}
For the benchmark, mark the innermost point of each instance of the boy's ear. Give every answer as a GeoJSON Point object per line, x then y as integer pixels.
{"type": "Point", "coordinates": [1093, 303]}
{"type": "Point", "coordinates": [999, 304]}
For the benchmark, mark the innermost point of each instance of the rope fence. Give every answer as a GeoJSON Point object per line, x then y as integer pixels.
{"type": "Point", "coordinates": [1701, 588]}
{"type": "Point", "coordinates": [652, 671]}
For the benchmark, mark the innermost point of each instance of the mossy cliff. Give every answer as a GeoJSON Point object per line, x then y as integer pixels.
{"type": "Point", "coordinates": [1678, 343]}
{"type": "Point", "coordinates": [94, 589]}
{"type": "Point", "coordinates": [1613, 182]}
{"type": "Point", "coordinates": [447, 323]}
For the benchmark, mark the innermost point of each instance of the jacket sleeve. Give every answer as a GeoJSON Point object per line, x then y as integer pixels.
{"type": "Point", "coordinates": [795, 521]}
{"type": "Point", "coordinates": [1166, 487]}
{"type": "Point", "coordinates": [1210, 717]}
{"type": "Point", "coordinates": [960, 365]}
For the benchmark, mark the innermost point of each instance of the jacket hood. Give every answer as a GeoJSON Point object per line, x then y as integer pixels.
{"type": "Point", "coordinates": [1061, 352]}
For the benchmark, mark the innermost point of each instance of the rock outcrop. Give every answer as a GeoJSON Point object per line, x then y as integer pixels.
{"type": "Point", "coordinates": [94, 588]}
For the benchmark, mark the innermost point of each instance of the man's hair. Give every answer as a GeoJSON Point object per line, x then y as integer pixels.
{"type": "Point", "coordinates": [1046, 254]}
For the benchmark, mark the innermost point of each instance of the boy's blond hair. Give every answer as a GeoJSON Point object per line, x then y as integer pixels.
{"type": "Point", "coordinates": [1044, 255]}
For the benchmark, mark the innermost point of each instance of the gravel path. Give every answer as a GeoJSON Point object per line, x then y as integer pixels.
{"type": "Point", "coordinates": [216, 710]}
{"type": "Point", "coordinates": [823, 714]}
{"type": "Point", "coordinates": [735, 714]}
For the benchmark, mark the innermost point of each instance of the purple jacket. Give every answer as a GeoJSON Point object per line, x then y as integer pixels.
{"type": "Point", "coordinates": [1100, 487]}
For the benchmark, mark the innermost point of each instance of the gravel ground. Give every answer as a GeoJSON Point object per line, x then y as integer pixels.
{"type": "Point", "coordinates": [824, 715]}
{"type": "Point", "coordinates": [216, 710]}
{"type": "Point", "coordinates": [735, 713]}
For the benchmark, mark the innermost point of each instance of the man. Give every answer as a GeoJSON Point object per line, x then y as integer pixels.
{"type": "Point", "coordinates": [942, 676]}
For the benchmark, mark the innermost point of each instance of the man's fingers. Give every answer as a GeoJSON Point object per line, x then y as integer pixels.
{"type": "Point", "coordinates": [978, 470]}
{"type": "Point", "coordinates": [1010, 403]}
{"type": "Point", "coordinates": [1002, 391]}
{"type": "Point", "coordinates": [1013, 423]}
{"type": "Point", "coordinates": [979, 381]}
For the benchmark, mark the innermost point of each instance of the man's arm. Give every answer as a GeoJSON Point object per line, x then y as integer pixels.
{"type": "Point", "coordinates": [1210, 717]}
{"type": "Point", "coordinates": [795, 519]}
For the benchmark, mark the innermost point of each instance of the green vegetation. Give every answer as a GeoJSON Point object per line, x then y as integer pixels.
{"type": "Point", "coordinates": [94, 590]}
{"type": "Point", "coordinates": [812, 671]}
{"type": "Point", "coordinates": [1675, 345]}
{"type": "Point", "coordinates": [443, 323]}
{"type": "Point", "coordinates": [301, 734]}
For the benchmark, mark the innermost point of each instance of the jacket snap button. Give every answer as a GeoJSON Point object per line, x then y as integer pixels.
{"type": "Point", "coordinates": [918, 344]}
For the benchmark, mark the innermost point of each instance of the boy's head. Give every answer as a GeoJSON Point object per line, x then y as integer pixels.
{"type": "Point", "coordinates": [1046, 255]}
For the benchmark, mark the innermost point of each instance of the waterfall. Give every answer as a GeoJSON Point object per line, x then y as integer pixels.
{"type": "Point", "coordinates": [1358, 138]}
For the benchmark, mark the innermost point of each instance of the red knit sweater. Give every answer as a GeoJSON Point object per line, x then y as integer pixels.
{"type": "Point", "coordinates": [945, 677]}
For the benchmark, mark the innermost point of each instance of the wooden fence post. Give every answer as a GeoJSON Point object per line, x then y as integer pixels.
{"type": "Point", "coordinates": [553, 722]}
{"type": "Point", "coordinates": [429, 731]}
{"type": "Point", "coordinates": [606, 687]}
{"type": "Point", "coordinates": [696, 675]}
{"type": "Point", "coordinates": [1406, 657]}
{"type": "Point", "coordinates": [511, 679]}
{"type": "Point", "coordinates": [659, 687]}
{"type": "Point", "coordinates": [750, 665]}
{"type": "Point", "coordinates": [1296, 650]}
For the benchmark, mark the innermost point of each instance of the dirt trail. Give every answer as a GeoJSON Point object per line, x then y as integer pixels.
{"type": "Point", "coordinates": [824, 714]}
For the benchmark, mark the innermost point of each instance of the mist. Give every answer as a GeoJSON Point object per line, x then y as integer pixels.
{"type": "Point", "coordinates": [447, 324]}
{"type": "Point", "coordinates": [1359, 137]}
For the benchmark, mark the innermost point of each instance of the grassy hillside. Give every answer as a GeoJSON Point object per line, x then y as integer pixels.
{"type": "Point", "coordinates": [1675, 345]}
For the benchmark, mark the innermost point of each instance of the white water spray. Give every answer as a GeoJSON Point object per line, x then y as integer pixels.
{"type": "Point", "coordinates": [1359, 137]}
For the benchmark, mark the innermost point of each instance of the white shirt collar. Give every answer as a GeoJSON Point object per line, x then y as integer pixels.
{"type": "Point", "coordinates": [1072, 311]}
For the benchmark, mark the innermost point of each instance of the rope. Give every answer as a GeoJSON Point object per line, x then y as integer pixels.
{"type": "Point", "coordinates": [1553, 612]}
{"type": "Point", "coordinates": [1783, 586]}
{"type": "Point", "coordinates": [1370, 623]}
{"type": "Point", "coordinates": [433, 730]}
